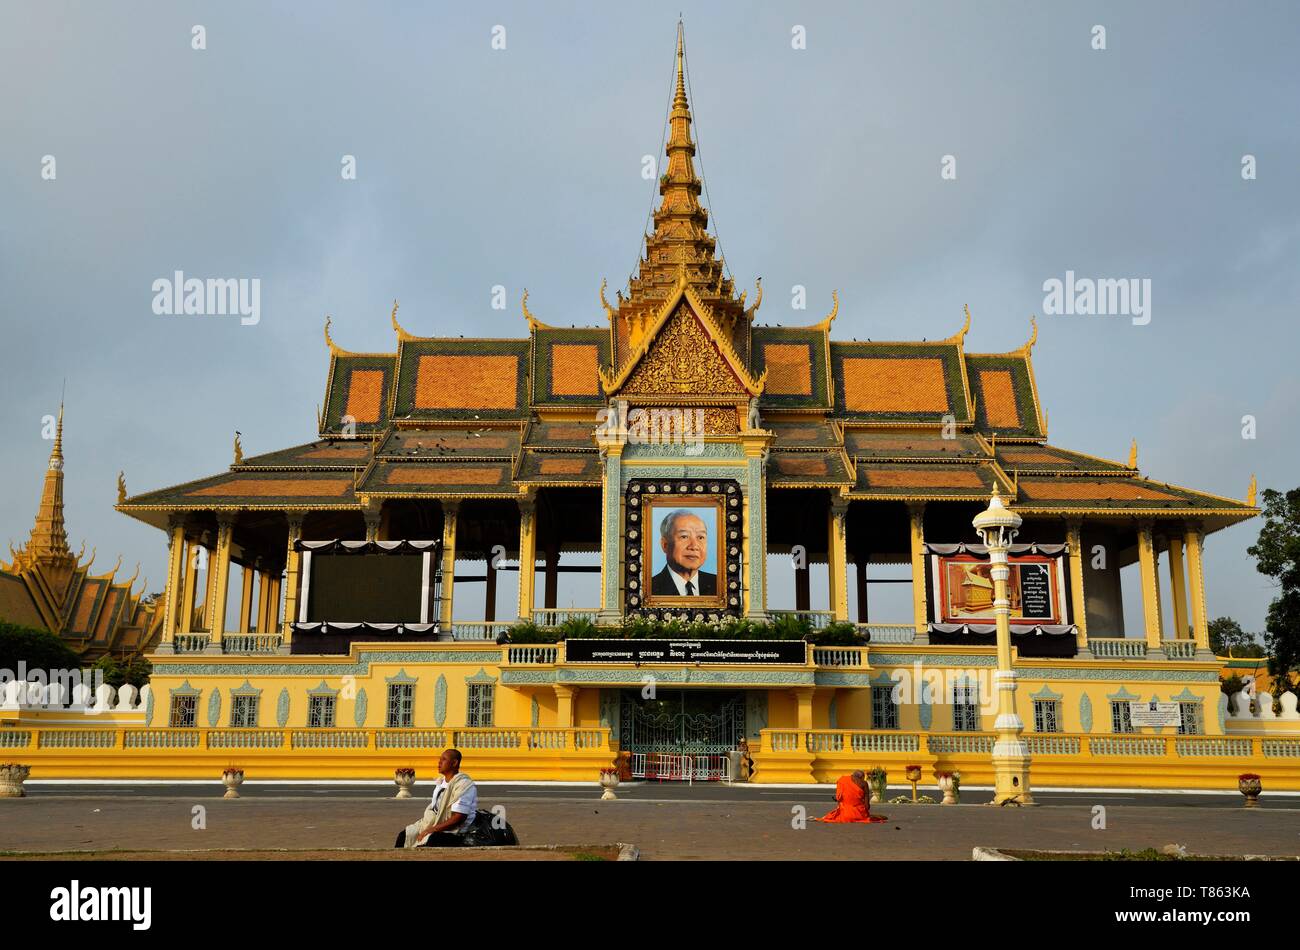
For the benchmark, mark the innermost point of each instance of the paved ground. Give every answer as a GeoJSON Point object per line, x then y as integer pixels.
{"type": "Point", "coordinates": [665, 822]}
{"type": "Point", "coordinates": [646, 791]}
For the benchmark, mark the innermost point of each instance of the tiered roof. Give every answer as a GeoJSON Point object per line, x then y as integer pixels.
{"type": "Point", "coordinates": [872, 420]}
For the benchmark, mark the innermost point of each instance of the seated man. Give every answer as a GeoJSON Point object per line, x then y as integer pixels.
{"type": "Point", "coordinates": [450, 813]}
{"type": "Point", "coordinates": [854, 800]}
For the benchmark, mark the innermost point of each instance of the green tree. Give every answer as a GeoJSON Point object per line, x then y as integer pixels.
{"type": "Point", "coordinates": [1226, 636]}
{"type": "Point", "coordinates": [1277, 555]}
{"type": "Point", "coordinates": [35, 649]}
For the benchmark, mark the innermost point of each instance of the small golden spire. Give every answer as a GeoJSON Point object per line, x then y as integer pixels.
{"type": "Point", "coordinates": [1133, 454]}
{"type": "Point", "coordinates": [239, 451]}
{"type": "Point", "coordinates": [121, 491]}
{"type": "Point", "coordinates": [1252, 492]}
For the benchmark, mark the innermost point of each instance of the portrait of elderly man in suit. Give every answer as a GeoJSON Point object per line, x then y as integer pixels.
{"type": "Point", "coordinates": [684, 540]}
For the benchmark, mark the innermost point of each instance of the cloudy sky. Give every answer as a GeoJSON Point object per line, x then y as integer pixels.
{"type": "Point", "coordinates": [522, 167]}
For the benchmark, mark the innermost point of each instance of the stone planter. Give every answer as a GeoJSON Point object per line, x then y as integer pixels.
{"type": "Point", "coordinates": [12, 777]}
{"type": "Point", "coordinates": [950, 785]}
{"type": "Point", "coordinates": [609, 782]}
{"type": "Point", "coordinates": [1250, 787]}
{"type": "Point", "coordinates": [405, 780]}
{"type": "Point", "coordinates": [232, 778]}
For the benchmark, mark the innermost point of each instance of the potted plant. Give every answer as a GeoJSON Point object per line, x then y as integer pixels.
{"type": "Point", "coordinates": [404, 779]}
{"type": "Point", "coordinates": [233, 777]}
{"type": "Point", "coordinates": [12, 776]}
{"type": "Point", "coordinates": [878, 780]}
{"type": "Point", "coordinates": [608, 781]}
{"type": "Point", "coordinates": [1249, 784]}
{"type": "Point", "coordinates": [950, 785]}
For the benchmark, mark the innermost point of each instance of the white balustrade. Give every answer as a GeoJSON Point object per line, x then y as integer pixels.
{"type": "Point", "coordinates": [1289, 711]}
{"type": "Point", "coordinates": [105, 696]}
{"type": "Point", "coordinates": [1264, 706]}
{"type": "Point", "coordinates": [126, 697]}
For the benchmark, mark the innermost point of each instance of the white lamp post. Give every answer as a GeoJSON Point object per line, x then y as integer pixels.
{"type": "Point", "coordinates": [997, 527]}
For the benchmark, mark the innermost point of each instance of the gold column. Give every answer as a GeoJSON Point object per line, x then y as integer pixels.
{"type": "Point", "coordinates": [1074, 543]}
{"type": "Point", "coordinates": [1147, 561]}
{"type": "Point", "coordinates": [804, 697]}
{"type": "Point", "coordinates": [219, 582]}
{"type": "Point", "coordinates": [175, 582]}
{"type": "Point", "coordinates": [838, 558]}
{"type": "Point", "coordinates": [916, 522]}
{"type": "Point", "coordinates": [527, 556]}
{"type": "Point", "coordinates": [185, 623]}
{"type": "Point", "coordinates": [1178, 588]}
{"type": "Point", "coordinates": [263, 584]}
{"type": "Point", "coordinates": [566, 703]}
{"type": "Point", "coordinates": [450, 512]}
{"type": "Point", "coordinates": [1195, 538]}
{"type": "Point", "coordinates": [272, 603]}
{"type": "Point", "coordinates": [292, 562]}
{"type": "Point", "coordinates": [245, 598]}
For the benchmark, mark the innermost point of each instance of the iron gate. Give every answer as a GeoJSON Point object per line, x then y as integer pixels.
{"type": "Point", "coordinates": [682, 722]}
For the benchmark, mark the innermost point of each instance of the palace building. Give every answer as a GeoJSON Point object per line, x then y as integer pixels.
{"type": "Point", "coordinates": [682, 446]}
{"type": "Point", "coordinates": [47, 587]}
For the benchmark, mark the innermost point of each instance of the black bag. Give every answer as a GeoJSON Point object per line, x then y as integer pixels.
{"type": "Point", "coordinates": [482, 832]}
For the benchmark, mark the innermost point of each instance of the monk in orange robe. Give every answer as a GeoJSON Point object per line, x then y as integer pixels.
{"type": "Point", "coordinates": [854, 801]}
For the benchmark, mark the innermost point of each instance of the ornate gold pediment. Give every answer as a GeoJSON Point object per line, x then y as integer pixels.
{"type": "Point", "coordinates": [685, 356]}
{"type": "Point", "coordinates": [683, 361]}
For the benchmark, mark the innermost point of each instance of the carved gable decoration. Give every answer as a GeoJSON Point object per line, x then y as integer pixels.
{"type": "Point", "coordinates": [684, 360]}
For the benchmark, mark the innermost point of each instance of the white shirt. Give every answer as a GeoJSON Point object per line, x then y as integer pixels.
{"type": "Point", "coordinates": [680, 581]}
{"type": "Point", "coordinates": [466, 805]}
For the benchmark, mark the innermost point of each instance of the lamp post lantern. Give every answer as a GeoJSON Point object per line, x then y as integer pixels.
{"type": "Point", "coordinates": [997, 527]}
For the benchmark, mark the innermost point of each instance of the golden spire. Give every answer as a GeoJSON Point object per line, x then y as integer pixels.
{"type": "Point", "coordinates": [1133, 454]}
{"type": "Point", "coordinates": [49, 537]}
{"type": "Point", "coordinates": [1252, 492]}
{"type": "Point", "coordinates": [239, 450]}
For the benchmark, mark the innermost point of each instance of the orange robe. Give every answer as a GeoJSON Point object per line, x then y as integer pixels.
{"type": "Point", "coordinates": [853, 803]}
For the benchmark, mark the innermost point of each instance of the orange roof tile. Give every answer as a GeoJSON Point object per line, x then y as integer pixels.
{"type": "Point", "coordinates": [365, 394]}
{"type": "Point", "coordinates": [875, 384]}
{"type": "Point", "coordinates": [446, 381]}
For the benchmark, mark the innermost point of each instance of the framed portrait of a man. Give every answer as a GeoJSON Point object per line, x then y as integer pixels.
{"type": "Point", "coordinates": [683, 551]}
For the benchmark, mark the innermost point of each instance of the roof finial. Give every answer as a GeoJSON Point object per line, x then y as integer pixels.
{"type": "Point", "coordinates": [960, 336]}
{"type": "Point", "coordinates": [329, 341]}
{"type": "Point", "coordinates": [1033, 336]}
{"type": "Point", "coordinates": [239, 449]}
{"type": "Point", "coordinates": [1133, 454]}
{"type": "Point", "coordinates": [533, 322]}
{"type": "Point", "coordinates": [121, 488]}
{"type": "Point", "coordinates": [830, 317]}
{"type": "Point", "coordinates": [1252, 492]}
{"type": "Point", "coordinates": [609, 311]}
{"type": "Point", "coordinates": [758, 299]}
{"type": "Point", "coordinates": [402, 335]}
